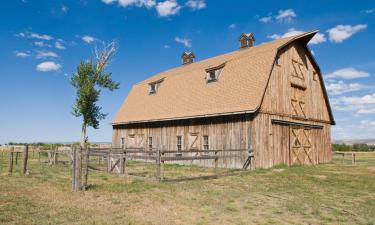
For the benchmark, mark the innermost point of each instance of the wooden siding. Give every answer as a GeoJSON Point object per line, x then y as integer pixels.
{"type": "Point", "coordinates": [294, 93]}
{"type": "Point", "coordinates": [272, 145]}
{"type": "Point", "coordinates": [293, 78]}
{"type": "Point", "coordinates": [227, 132]}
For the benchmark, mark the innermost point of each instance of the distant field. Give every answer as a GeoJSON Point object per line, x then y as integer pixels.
{"type": "Point", "coordinates": [333, 193]}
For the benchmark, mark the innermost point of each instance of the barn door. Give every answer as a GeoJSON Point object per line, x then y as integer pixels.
{"type": "Point", "coordinates": [135, 141]}
{"type": "Point", "coordinates": [301, 151]}
{"type": "Point", "coordinates": [194, 141]}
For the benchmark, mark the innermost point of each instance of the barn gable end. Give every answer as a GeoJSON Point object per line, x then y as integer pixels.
{"type": "Point", "coordinates": [296, 88]}
{"type": "Point", "coordinates": [293, 122]}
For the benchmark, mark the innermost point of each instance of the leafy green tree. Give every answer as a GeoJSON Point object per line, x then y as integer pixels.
{"type": "Point", "coordinates": [89, 79]}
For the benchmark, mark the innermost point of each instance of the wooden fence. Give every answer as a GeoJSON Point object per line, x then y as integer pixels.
{"type": "Point", "coordinates": [117, 158]}
{"type": "Point", "coordinates": [352, 156]}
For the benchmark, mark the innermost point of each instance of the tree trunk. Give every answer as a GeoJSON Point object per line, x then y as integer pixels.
{"type": "Point", "coordinates": [83, 135]}
{"type": "Point", "coordinates": [78, 167]}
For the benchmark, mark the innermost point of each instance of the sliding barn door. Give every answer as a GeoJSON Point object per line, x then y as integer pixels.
{"type": "Point", "coordinates": [301, 149]}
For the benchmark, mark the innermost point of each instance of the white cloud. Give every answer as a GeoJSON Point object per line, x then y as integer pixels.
{"type": "Point", "coordinates": [358, 104]}
{"type": "Point", "coordinates": [22, 54]}
{"type": "Point", "coordinates": [366, 99]}
{"type": "Point", "coordinates": [186, 42]}
{"type": "Point", "coordinates": [366, 111]}
{"type": "Point", "coordinates": [347, 73]}
{"type": "Point", "coordinates": [88, 39]}
{"type": "Point", "coordinates": [232, 26]}
{"type": "Point", "coordinates": [168, 8]}
{"type": "Point", "coordinates": [34, 35]}
{"type": "Point", "coordinates": [59, 45]}
{"type": "Point", "coordinates": [368, 11]}
{"type": "Point", "coordinates": [286, 15]}
{"type": "Point", "coordinates": [41, 36]}
{"type": "Point", "coordinates": [265, 19]}
{"type": "Point", "coordinates": [167, 46]}
{"type": "Point", "coordinates": [342, 32]}
{"type": "Point", "coordinates": [128, 3]}
{"type": "Point", "coordinates": [46, 54]}
{"type": "Point", "coordinates": [196, 4]}
{"type": "Point", "coordinates": [317, 39]}
{"type": "Point", "coordinates": [39, 43]}
{"type": "Point", "coordinates": [64, 9]}
{"type": "Point", "coordinates": [108, 1]}
{"type": "Point", "coordinates": [48, 66]}
{"type": "Point", "coordinates": [340, 87]}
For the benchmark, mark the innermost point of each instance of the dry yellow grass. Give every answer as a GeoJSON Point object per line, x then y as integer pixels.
{"type": "Point", "coordinates": [325, 194]}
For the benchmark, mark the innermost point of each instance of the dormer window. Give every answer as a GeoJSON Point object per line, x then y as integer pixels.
{"type": "Point", "coordinates": [213, 73]}
{"type": "Point", "coordinates": [154, 86]}
{"type": "Point", "coordinates": [152, 89]}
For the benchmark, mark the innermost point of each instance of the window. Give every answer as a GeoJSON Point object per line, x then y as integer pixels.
{"type": "Point", "coordinates": [205, 143]}
{"type": "Point", "coordinates": [122, 143]}
{"type": "Point", "coordinates": [150, 143]}
{"type": "Point", "coordinates": [214, 73]}
{"type": "Point", "coordinates": [315, 76]}
{"type": "Point", "coordinates": [152, 89]}
{"type": "Point", "coordinates": [179, 143]}
{"type": "Point", "coordinates": [154, 86]}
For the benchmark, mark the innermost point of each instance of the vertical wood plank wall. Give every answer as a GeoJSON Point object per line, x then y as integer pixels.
{"type": "Point", "coordinates": [229, 132]}
{"type": "Point", "coordinates": [271, 142]}
{"type": "Point", "coordinates": [277, 98]}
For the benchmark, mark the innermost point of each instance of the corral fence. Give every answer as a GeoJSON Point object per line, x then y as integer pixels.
{"type": "Point", "coordinates": [149, 164]}
{"type": "Point", "coordinates": [354, 158]}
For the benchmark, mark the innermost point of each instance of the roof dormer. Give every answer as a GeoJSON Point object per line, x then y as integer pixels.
{"type": "Point", "coordinates": [187, 58]}
{"type": "Point", "coordinates": [246, 40]}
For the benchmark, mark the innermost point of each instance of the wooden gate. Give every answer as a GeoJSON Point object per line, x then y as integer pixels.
{"type": "Point", "coordinates": [301, 149]}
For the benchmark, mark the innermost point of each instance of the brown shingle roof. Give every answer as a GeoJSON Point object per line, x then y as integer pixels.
{"type": "Point", "coordinates": [184, 92]}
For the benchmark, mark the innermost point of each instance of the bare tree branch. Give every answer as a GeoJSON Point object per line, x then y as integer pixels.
{"type": "Point", "coordinates": [103, 57]}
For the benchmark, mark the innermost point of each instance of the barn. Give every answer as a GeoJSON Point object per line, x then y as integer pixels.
{"type": "Point", "coordinates": [269, 99]}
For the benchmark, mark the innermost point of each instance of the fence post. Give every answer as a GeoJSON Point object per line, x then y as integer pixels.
{"type": "Point", "coordinates": [55, 156]}
{"type": "Point", "coordinates": [11, 160]}
{"type": "Point", "coordinates": [353, 158]}
{"type": "Point", "coordinates": [122, 163]}
{"type": "Point", "coordinates": [25, 158]}
{"type": "Point", "coordinates": [216, 160]}
{"type": "Point", "coordinates": [158, 164]}
{"type": "Point", "coordinates": [86, 174]}
{"type": "Point", "coordinates": [16, 157]}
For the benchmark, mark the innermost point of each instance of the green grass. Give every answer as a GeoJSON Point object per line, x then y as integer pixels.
{"type": "Point", "coordinates": [333, 193]}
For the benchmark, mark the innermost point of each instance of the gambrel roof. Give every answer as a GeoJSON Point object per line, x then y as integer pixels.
{"type": "Point", "coordinates": [184, 93]}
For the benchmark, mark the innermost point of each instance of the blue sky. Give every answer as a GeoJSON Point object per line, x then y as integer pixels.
{"type": "Point", "coordinates": [43, 41]}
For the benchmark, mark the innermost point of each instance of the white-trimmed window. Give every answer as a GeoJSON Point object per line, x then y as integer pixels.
{"type": "Point", "coordinates": [213, 73]}
{"type": "Point", "coordinates": [150, 143]}
{"type": "Point", "coordinates": [153, 87]}
{"type": "Point", "coordinates": [122, 143]}
{"type": "Point", "coordinates": [179, 143]}
{"type": "Point", "coordinates": [206, 145]}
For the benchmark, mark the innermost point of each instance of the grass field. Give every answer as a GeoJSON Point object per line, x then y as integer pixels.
{"type": "Point", "coordinates": [333, 193]}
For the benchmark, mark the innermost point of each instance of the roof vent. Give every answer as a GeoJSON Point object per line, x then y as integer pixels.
{"type": "Point", "coordinates": [187, 58]}
{"type": "Point", "coordinates": [246, 40]}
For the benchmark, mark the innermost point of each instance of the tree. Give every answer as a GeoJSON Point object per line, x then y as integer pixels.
{"type": "Point", "coordinates": [88, 81]}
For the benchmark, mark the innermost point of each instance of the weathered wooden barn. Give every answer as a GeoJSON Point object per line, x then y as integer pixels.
{"type": "Point", "coordinates": [268, 98]}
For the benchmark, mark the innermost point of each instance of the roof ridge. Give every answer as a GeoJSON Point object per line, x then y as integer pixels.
{"type": "Point", "coordinates": [247, 50]}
